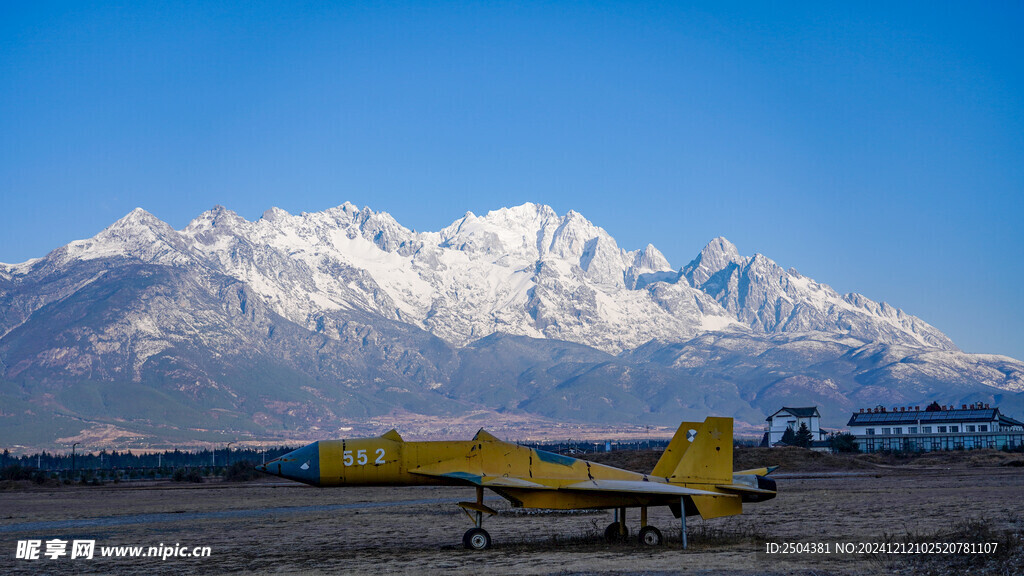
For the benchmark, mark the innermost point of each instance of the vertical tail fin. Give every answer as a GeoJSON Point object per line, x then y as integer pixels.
{"type": "Point", "coordinates": [707, 459]}
{"type": "Point", "coordinates": [676, 449]}
{"type": "Point", "coordinates": [701, 453]}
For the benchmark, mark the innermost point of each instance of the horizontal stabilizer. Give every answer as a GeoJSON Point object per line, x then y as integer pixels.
{"type": "Point", "coordinates": [640, 487]}
{"type": "Point", "coordinates": [740, 489]}
{"type": "Point", "coordinates": [392, 435]}
{"type": "Point", "coordinates": [758, 471]}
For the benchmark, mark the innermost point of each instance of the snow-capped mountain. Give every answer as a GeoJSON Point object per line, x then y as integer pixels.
{"type": "Point", "coordinates": [298, 322]}
{"type": "Point", "coordinates": [523, 270]}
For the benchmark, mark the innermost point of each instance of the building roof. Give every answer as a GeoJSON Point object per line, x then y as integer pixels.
{"type": "Point", "coordinates": [925, 417]}
{"type": "Point", "coordinates": [1007, 421]}
{"type": "Point", "coordinates": [798, 412]}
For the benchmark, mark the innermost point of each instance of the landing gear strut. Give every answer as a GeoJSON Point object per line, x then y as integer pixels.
{"type": "Point", "coordinates": [649, 535]}
{"type": "Point", "coordinates": [617, 531]}
{"type": "Point", "coordinates": [477, 538]}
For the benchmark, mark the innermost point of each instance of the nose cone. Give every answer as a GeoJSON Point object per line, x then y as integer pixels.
{"type": "Point", "coordinates": [302, 465]}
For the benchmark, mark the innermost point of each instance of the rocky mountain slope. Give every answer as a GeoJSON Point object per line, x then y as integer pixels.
{"type": "Point", "coordinates": [303, 324]}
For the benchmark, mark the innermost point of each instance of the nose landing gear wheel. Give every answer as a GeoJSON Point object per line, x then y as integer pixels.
{"type": "Point", "coordinates": [612, 535]}
{"type": "Point", "coordinates": [650, 536]}
{"type": "Point", "coordinates": [476, 539]}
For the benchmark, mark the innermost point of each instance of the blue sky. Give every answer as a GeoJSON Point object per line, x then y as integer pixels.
{"type": "Point", "coordinates": [878, 148]}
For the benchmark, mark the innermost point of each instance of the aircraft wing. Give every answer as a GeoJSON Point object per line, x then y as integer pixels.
{"type": "Point", "coordinates": [445, 470]}
{"type": "Point", "coordinates": [508, 482]}
{"type": "Point", "coordinates": [449, 470]}
{"type": "Point", "coordinates": [637, 487]}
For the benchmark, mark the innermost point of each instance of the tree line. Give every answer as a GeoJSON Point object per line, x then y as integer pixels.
{"type": "Point", "coordinates": [112, 460]}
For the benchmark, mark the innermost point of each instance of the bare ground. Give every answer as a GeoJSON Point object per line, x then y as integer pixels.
{"type": "Point", "coordinates": [273, 527]}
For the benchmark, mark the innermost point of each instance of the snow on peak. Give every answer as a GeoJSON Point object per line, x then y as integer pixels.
{"type": "Point", "coordinates": [216, 217]}
{"type": "Point", "coordinates": [646, 267]}
{"type": "Point", "coordinates": [137, 217]}
{"type": "Point", "coordinates": [346, 207]}
{"type": "Point", "coordinates": [716, 256]}
{"type": "Point", "coordinates": [650, 259]}
{"type": "Point", "coordinates": [573, 234]}
{"type": "Point", "coordinates": [523, 214]}
{"type": "Point", "coordinates": [722, 246]}
{"type": "Point", "coordinates": [138, 235]}
{"type": "Point", "coordinates": [275, 214]}
{"type": "Point", "coordinates": [525, 232]}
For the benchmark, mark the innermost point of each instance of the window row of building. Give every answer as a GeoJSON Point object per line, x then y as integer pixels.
{"type": "Point", "coordinates": [929, 443]}
{"type": "Point", "coordinates": [953, 429]}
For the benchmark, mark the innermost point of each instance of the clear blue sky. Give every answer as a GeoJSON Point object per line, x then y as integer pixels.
{"type": "Point", "coordinates": [877, 147]}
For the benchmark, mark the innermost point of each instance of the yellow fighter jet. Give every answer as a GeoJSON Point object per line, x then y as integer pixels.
{"type": "Point", "coordinates": [693, 476]}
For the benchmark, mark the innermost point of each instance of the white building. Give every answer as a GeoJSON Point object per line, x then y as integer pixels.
{"type": "Point", "coordinates": [792, 418]}
{"type": "Point", "coordinates": [935, 428]}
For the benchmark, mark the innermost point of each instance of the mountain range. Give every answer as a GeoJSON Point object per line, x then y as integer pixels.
{"type": "Point", "coordinates": [300, 326]}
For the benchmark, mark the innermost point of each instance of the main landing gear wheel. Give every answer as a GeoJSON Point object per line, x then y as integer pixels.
{"type": "Point", "coordinates": [612, 535]}
{"type": "Point", "coordinates": [476, 539]}
{"type": "Point", "coordinates": [650, 536]}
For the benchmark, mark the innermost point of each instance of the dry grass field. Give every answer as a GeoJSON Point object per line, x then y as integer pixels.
{"type": "Point", "coordinates": [274, 527]}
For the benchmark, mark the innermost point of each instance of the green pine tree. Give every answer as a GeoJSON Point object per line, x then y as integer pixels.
{"type": "Point", "coordinates": [803, 437]}
{"type": "Point", "coordinates": [788, 437]}
{"type": "Point", "coordinates": [843, 442]}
